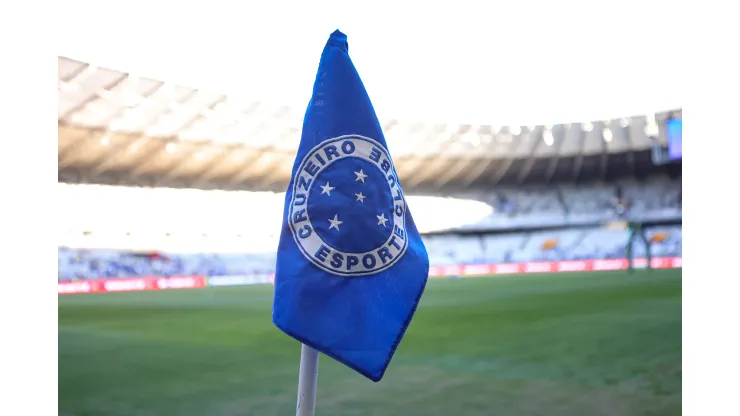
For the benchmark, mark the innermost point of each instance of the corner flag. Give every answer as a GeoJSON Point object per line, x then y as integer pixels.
{"type": "Point", "coordinates": [351, 265]}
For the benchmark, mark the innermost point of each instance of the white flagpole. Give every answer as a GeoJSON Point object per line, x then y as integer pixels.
{"type": "Point", "coordinates": [307, 380]}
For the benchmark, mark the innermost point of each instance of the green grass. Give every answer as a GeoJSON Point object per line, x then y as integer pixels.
{"type": "Point", "coordinates": [560, 344]}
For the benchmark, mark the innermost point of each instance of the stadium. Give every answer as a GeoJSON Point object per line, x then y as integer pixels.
{"type": "Point", "coordinates": [554, 249]}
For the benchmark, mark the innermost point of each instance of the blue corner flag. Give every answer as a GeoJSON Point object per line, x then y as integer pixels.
{"type": "Point", "coordinates": [351, 265]}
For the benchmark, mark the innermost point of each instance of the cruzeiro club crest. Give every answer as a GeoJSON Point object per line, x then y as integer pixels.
{"type": "Point", "coordinates": [348, 211]}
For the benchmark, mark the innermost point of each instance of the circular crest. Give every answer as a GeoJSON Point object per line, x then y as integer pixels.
{"type": "Point", "coordinates": [347, 211]}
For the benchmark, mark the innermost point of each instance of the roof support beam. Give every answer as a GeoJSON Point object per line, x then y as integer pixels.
{"type": "Point", "coordinates": [555, 158]}
{"type": "Point", "coordinates": [183, 161]}
{"type": "Point", "coordinates": [604, 164]}
{"type": "Point", "coordinates": [80, 69]}
{"type": "Point", "coordinates": [141, 164]}
{"type": "Point", "coordinates": [206, 173]}
{"type": "Point", "coordinates": [180, 163]}
{"type": "Point", "coordinates": [475, 173]}
{"type": "Point", "coordinates": [434, 167]}
{"type": "Point", "coordinates": [531, 159]}
{"type": "Point", "coordinates": [579, 159]}
{"type": "Point", "coordinates": [454, 171]}
{"type": "Point", "coordinates": [106, 159]}
{"type": "Point", "coordinates": [92, 98]}
{"type": "Point", "coordinates": [630, 153]}
{"type": "Point", "coordinates": [66, 157]}
{"type": "Point", "coordinates": [502, 170]}
{"type": "Point", "coordinates": [248, 168]}
{"type": "Point", "coordinates": [431, 165]}
{"type": "Point", "coordinates": [604, 159]}
{"type": "Point", "coordinates": [412, 165]}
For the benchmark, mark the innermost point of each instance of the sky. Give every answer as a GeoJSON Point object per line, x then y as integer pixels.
{"type": "Point", "coordinates": [494, 63]}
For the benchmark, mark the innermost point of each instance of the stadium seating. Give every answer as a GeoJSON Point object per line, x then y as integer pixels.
{"type": "Point", "coordinates": [578, 244]}
{"type": "Point", "coordinates": [570, 205]}
{"type": "Point", "coordinates": [573, 244]}
{"type": "Point", "coordinates": [556, 206]}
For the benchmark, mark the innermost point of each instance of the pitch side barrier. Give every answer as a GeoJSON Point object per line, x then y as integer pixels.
{"type": "Point", "coordinates": [150, 283]}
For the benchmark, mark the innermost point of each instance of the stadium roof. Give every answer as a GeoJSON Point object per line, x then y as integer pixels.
{"type": "Point", "coordinates": [229, 117]}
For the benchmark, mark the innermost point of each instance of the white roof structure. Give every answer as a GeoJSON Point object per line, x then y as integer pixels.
{"type": "Point", "coordinates": [214, 98]}
{"type": "Point", "coordinates": [469, 96]}
{"type": "Point", "coordinates": [118, 128]}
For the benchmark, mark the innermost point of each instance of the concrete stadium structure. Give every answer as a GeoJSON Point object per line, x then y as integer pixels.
{"type": "Point", "coordinates": [119, 129]}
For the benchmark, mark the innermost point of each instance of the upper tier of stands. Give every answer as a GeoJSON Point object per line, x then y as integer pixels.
{"type": "Point", "coordinates": [571, 205]}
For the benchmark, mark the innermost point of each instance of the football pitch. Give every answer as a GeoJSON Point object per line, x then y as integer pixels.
{"type": "Point", "coordinates": [606, 343]}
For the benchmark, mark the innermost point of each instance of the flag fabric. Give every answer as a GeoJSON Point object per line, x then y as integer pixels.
{"type": "Point", "coordinates": [351, 265]}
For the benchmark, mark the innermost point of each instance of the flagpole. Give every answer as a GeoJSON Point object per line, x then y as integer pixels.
{"type": "Point", "coordinates": [307, 380]}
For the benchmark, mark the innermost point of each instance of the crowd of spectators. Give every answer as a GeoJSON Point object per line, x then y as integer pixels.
{"type": "Point", "coordinates": [565, 207]}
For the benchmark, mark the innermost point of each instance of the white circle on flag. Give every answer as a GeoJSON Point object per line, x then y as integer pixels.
{"type": "Point", "coordinates": [332, 257]}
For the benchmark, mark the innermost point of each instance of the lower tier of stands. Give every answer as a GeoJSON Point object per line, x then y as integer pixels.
{"type": "Point", "coordinates": [444, 250]}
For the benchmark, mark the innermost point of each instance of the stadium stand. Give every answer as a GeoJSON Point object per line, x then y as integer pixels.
{"type": "Point", "coordinates": [570, 205]}
{"type": "Point", "coordinates": [443, 250]}
{"type": "Point", "coordinates": [561, 208]}
{"type": "Point", "coordinates": [169, 180]}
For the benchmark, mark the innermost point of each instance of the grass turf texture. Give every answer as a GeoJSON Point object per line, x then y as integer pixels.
{"type": "Point", "coordinates": [591, 344]}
